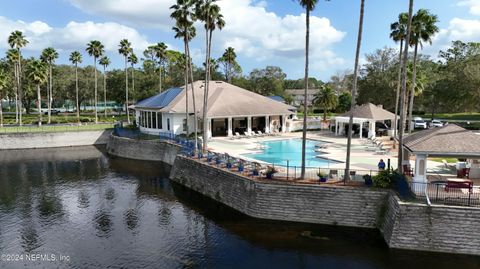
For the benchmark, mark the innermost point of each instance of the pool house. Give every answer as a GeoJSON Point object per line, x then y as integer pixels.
{"type": "Point", "coordinates": [231, 110]}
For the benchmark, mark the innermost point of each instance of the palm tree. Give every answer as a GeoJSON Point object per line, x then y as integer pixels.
{"type": "Point", "coordinates": [133, 60]}
{"type": "Point", "coordinates": [17, 40]}
{"type": "Point", "coordinates": [96, 49]}
{"type": "Point", "coordinates": [48, 56]}
{"type": "Point", "coordinates": [398, 33]}
{"type": "Point", "coordinates": [309, 5]}
{"type": "Point", "coordinates": [3, 86]}
{"type": "Point", "coordinates": [76, 58]}
{"type": "Point", "coordinates": [161, 55]}
{"type": "Point", "coordinates": [404, 89]}
{"type": "Point", "coordinates": [125, 49]}
{"type": "Point", "coordinates": [354, 90]}
{"type": "Point", "coordinates": [105, 62]}
{"type": "Point", "coordinates": [213, 66]}
{"type": "Point", "coordinates": [183, 15]}
{"type": "Point", "coordinates": [38, 73]}
{"type": "Point", "coordinates": [423, 29]}
{"type": "Point", "coordinates": [326, 99]}
{"type": "Point", "coordinates": [208, 12]}
{"type": "Point", "coordinates": [229, 58]}
{"type": "Point", "coordinates": [12, 57]}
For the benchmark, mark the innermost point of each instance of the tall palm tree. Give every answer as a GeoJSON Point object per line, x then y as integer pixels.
{"type": "Point", "coordinates": [183, 15]}
{"type": "Point", "coordinates": [17, 40]}
{"type": "Point", "coordinates": [229, 58]}
{"type": "Point", "coordinates": [213, 67]}
{"type": "Point", "coordinates": [398, 33]}
{"type": "Point", "coordinates": [423, 28]}
{"type": "Point", "coordinates": [12, 57]}
{"type": "Point", "coordinates": [76, 58]}
{"type": "Point", "coordinates": [125, 48]}
{"type": "Point", "coordinates": [354, 89]}
{"type": "Point", "coordinates": [161, 55]}
{"type": "Point", "coordinates": [3, 86]}
{"type": "Point", "coordinates": [48, 56]}
{"type": "Point", "coordinates": [133, 60]}
{"type": "Point", "coordinates": [209, 13]}
{"type": "Point", "coordinates": [96, 49]}
{"type": "Point", "coordinates": [38, 73]}
{"type": "Point", "coordinates": [326, 99]}
{"type": "Point", "coordinates": [309, 5]}
{"type": "Point", "coordinates": [404, 88]}
{"type": "Point", "coordinates": [105, 62]}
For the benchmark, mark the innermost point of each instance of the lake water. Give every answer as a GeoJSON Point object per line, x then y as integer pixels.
{"type": "Point", "coordinates": [97, 212]}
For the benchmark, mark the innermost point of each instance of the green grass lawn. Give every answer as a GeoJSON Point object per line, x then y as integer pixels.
{"type": "Point", "coordinates": [61, 119]}
{"type": "Point", "coordinates": [455, 116]}
{"type": "Point", "coordinates": [55, 128]}
{"type": "Point", "coordinates": [449, 160]}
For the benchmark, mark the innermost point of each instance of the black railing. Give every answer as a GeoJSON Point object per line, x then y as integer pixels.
{"type": "Point", "coordinates": [442, 192]}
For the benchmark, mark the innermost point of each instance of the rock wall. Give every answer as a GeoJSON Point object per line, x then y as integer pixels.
{"type": "Point", "coordinates": [149, 150]}
{"type": "Point", "coordinates": [53, 140]}
{"type": "Point", "coordinates": [334, 205]}
{"type": "Point", "coordinates": [436, 228]}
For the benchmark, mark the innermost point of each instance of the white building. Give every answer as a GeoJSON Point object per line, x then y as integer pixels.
{"type": "Point", "coordinates": [231, 109]}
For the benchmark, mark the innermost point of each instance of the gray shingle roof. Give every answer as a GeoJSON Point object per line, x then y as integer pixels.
{"type": "Point", "coordinates": [370, 111]}
{"type": "Point", "coordinates": [226, 100]}
{"type": "Point", "coordinates": [450, 140]}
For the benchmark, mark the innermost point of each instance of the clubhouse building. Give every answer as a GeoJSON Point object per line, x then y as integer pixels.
{"type": "Point", "coordinates": [231, 110]}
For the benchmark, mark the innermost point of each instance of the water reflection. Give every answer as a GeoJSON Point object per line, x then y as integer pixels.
{"type": "Point", "coordinates": [117, 213]}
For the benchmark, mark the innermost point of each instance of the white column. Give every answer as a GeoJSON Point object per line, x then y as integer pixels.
{"type": "Point", "coordinates": [267, 124]}
{"type": "Point", "coordinates": [230, 133]}
{"type": "Point", "coordinates": [249, 125]}
{"type": "Point", "coordinates": [284, 123]}
{"type": "Point", "coordinates": [209, 128]}
{"type": "Point", "coordinates": [420, 175]}
{"type": "Point", "coordinates": [361, 127]}
{"type": "Point", "coordinates": [371, 129]}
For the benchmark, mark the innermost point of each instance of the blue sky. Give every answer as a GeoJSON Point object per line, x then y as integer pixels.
{"type": "Point", "coordinates": [263, 32]}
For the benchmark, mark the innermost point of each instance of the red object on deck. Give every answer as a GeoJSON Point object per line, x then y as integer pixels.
{"type": "Point", "coordinates": [459, 184]}
{"type": "Point", "coordinates": [407, 170]}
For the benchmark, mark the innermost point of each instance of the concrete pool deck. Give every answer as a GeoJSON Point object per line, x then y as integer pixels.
{"type": "Point", "coordinates": [361, 158]}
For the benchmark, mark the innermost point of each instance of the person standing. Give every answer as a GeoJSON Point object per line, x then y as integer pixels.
{"type": "Point", "coordinates": [381, 165]}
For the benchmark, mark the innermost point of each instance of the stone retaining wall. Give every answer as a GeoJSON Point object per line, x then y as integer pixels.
{"type": "Point", "coordinates": [334, 205]}
{"type": "Point", "coordinates": [53, 140]}
{"type": "Point", "coordinates": [436, 228]}
{"type": "Point", "coordinates": [404, 225]}
{"type": "Point", "coordinates": [148, 150]}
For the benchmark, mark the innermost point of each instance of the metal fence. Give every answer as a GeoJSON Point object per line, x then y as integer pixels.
{"type": "Point", "coordinates": [442, 192]}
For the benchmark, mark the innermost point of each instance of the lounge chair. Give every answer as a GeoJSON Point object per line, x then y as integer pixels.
{"type": "Point", "coordinates": [448, 166]}
{"type": "Point", "coordinates": [333, 173]}
{"type": "Point", "coordinates": [237, 135]}
{"type": "Point", "coordinates": [259, 133]}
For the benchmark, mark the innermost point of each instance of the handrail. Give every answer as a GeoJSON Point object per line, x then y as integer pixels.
{"type": "Point", "coordinates": [426, 196]}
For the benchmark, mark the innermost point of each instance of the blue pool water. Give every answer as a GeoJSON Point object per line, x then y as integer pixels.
{"type": "Point", "coordinates": [279, 151]}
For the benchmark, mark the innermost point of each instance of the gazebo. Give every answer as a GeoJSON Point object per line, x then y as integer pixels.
{"type": "Point", "coordinates": [365, 114]}
{"type": "Point", "coordinates": [448, 141]}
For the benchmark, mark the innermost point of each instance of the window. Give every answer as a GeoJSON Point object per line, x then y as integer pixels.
{"type": "Point", "coordinates": [159, 121]}
{"type": "Point", "coordinates": [184, 123]}
{"type": "Point", "coordinates": [168, 124]}
{"type": "Point", "coordinates": [149, 119]}
{"type": "Point", "coordinates": [140, 118]}
{"type": "Point", "coordinates": [154, 120]}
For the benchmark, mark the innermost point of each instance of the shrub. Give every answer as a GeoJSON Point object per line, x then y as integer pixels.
{"type": "Point", "coordinates": [384, 179]}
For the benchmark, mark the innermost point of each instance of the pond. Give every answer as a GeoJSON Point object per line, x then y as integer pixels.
{"type": "Point", "coordinates": [78, 208]}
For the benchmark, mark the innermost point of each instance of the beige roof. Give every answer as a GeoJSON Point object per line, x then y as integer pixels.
{"type": "Point", "coordinates": [227, 100]}
{"type": "Point", "coordinates": [370, 111]}
{"type": "Point", "coordinates": [450, 140]}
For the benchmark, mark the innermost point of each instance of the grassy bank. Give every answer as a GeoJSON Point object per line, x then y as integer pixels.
{"type": "Point", "coordinates": [55, 128]}
{"type": "Point", "coordinates": [62, 119]}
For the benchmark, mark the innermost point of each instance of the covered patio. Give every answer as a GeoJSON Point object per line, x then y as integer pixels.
{"type": "Point", "coordinates": [365, 116]}
{"type": "Point", "coordinates": [450, 141]}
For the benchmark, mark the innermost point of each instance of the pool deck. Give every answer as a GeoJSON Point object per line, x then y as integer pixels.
{"type": "Point", "coordinates": [361, 157]}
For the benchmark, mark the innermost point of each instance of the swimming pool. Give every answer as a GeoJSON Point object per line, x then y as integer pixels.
{"type": "Point", "coordinates": [279, 151]}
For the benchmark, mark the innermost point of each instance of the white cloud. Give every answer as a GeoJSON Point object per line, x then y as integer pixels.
{"type": "Point", "coordinates": [73, 36]}
{"type": "Point", "coordinates": [153, 13]}
{"type": "Point", "coordinates": [473, 5]}
{"type": "Point", "coordinates": [253, 31]}
{"type": "Point", "coordinates": [458, 29]}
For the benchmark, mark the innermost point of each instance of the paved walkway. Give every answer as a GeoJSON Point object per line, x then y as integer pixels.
{"type": "Point", "coordinates": [363, 155]}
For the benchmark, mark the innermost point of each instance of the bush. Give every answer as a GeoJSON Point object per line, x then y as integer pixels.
{"type": "Point", "coordinates": [384, 179]}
